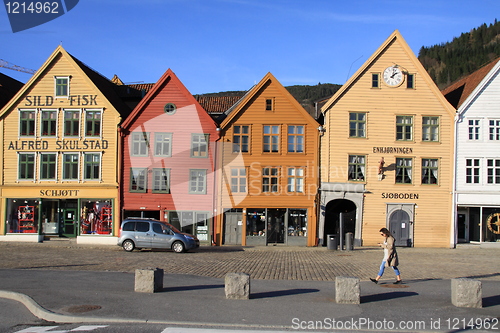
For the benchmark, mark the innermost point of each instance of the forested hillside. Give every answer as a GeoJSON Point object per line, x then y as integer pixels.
{"type": "Point", "coordinates": [450, 61]}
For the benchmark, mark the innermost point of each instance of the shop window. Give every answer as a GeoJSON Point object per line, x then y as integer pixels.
{"type": "Point", "coordinates": [163, 144]}
{"type": "Point", "coordinates": [256, 222]}
{"type": "Point", "coordinates": [22, 216]}
{"type": "Point", "coordinates": [72, 123]}
{"type": "Point", "coordinates": [140, 143]}
{"type": "Point", "coordinates": [429, 171]}
{"type": "Point", "coordinates": [403, 170]}
{"type": "Point", "coordinates": [404, 128]}
{"type": "Point", "coordinates": [295, 139]}
{"type": "Point", "coordinates": [357, 124]}
{"type": "Point", "coordinates": [430, 129]}
{"type": "Point", "coordinates": [356, 167]}
{"type": "Point", "coordinates": [241, 138]}
{"type": "Point", "coordinates": [191, 222]}
{"type": "Point", "coordinates": [92, 166]}
{"type": "Point", "coordinates": [271, 138]}
{"type": "Point", "coordinates": [297, 223]}
{"type": "Point", "coordinates": [474, 129]}
{"type": "Point", "coordinates": [197, 181]}
{"type": "Point", "coordinates": [61, 86]}
{"type": "Point", "coordinates": [199, 145]}
{"type": "Point", "coordinates": [71, 166]}
{"type": "Point", "coordinates": [93, 123]}
{"type": "Point", "coordinates": [138, 179]}
{"type": "Point", "coordinates": [49, 123]}
{"type": "Point", "coordinates": [494, 130]}
{"type": "Point", "coordinates": [96, 217]}
{"type": "Point", "coordinates": [295, 180]}
{"type": "Point", "coordinates": [161, 180]}
{"type": "Point", "coordinates": [26, 166]}
{"type": "Point", "coordinates": [472, 170]}
{"type": "Point", "coordinates": [270, 177]}
{"type": "Point", "coordinates": [27, 122]}
{"type": "Point", "coordinates": [238, 180]}
{"type": "Point", "coordinates": [48, 162]}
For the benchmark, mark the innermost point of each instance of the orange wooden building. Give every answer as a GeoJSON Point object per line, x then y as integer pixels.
{"type": "Point", "coordinates": [268, 178]}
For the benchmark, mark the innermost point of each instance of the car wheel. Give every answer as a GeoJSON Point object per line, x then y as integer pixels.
{"type": "Point", "coordinates": [178, 247]}
{"type": "Point", "coordinates": [128, 245]}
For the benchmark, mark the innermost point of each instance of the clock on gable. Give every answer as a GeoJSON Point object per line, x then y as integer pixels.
{"type": "Point", "coordinates": [393, 76]}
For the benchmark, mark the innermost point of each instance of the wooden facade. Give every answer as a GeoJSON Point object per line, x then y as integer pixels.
{"type": "Point", "coordinates": [387, 153]}
{"type": "Point", "coordinates": [268, 176]}
{"type": "Point", "coordinates": [168, 159]}
{"type": "Point", "coordinates": [60, 137]}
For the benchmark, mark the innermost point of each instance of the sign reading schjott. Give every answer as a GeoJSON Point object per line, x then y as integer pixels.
{"type": "Point", "coordinates": [28, 14]}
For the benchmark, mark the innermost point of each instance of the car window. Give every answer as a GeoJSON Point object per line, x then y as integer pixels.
{"type": "Point", "coordinates": [129, 226]}
{"type": "Point", "coordinates": [160, 228]}
{"type": "Point", "coordinates": [142, 226]}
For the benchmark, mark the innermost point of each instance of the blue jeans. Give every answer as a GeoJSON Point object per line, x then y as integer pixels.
{"type": "Point", "coordinates": [382, 268]}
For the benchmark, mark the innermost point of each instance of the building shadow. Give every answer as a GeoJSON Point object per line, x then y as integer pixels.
{"type": "Point", "coordinates": [386, 296]}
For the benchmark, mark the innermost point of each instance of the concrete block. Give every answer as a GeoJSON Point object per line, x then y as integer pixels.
{"type": "Point", "coordinates": [466, 293]}
{"type": "Point", "coordinates": [148, 280]}
{"type": "Point", "coordinates": [347, 290]}
{"type": "Point", "coordinates": [237, 286]}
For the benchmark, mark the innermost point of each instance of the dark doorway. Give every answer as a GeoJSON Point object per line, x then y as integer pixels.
{"type": "Point", "coordinates": [332, 217]}
{"type": "Point", "coordinates": [276, 225]}
{"type": "Point", "coordinates": [399, 225]}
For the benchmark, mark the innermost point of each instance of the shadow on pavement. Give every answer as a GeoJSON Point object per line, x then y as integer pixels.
{"type": "Point", "coordinates": [387, 296]}
{"type": "Point", "coordinates": [279, 293]}
{"type": "Point", "coordinates": [198, 287]}
{"type": "Point", "coordinates": [491, 301]}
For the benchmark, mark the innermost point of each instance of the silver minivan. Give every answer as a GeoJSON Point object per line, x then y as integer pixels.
{"type": "Point", "coordinates": [153, 234]}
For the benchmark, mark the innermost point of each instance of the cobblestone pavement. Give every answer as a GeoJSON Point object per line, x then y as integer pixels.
{"type": "Point", "coordinates": [287, 263]}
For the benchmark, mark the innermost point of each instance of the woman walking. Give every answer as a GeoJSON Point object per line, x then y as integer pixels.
{"type": "Point", "coordinates": [390, 256]}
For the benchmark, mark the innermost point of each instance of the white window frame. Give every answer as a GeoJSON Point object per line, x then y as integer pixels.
{"type": "Point", "coordinates": [68, 77]}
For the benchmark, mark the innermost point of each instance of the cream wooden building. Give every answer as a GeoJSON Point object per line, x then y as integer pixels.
{"type": "Point", "coordinates": [387, 154]}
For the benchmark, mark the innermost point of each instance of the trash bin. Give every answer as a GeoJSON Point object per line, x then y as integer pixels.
{"type": "Point", "coordinates": [331, 242]}
{"type": "Point", "coordinates": [349, 239]}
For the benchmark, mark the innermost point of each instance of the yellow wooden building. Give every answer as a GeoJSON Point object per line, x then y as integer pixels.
{"type": "Point", "coordinates": [268, 175]}
{"type": "Point", "coordinates": [387, 154]}
{"type": "Point", "coordinates": [60, 155]}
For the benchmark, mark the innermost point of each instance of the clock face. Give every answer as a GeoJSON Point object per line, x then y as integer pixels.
{"type": "Point", "coordinates": [393, 76]}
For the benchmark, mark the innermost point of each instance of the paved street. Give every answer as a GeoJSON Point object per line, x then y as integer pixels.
{"type": "Point", "coordinates": [271, 262]}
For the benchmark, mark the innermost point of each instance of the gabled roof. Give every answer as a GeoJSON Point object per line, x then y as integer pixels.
{"type": "Point", "coordinates": [105, 86]}
{"type": "Point", "coordinates": [216, 105]}
{"type": "Point", "coordinates": [233, 111]}
{"type": "Point", "coordinates": [395, 36]}
{"type": "Point", "coordinates": [457, 93]}
{"type": "Point", "coordinates": [167, 77]}
{"type": "Point", "coordinates": [8, 88]}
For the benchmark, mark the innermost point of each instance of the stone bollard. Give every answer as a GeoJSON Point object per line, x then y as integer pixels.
{"type": "Point", "coordinates": [148, 280]}
{"type": "Point", "coordinates": [237, 286]}
{"type": "Point", "coordinates": [466, 293]}
{"type": "Point", "coordinates": [347, 290]}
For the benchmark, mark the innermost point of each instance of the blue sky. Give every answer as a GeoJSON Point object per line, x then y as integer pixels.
{"type": "Point", "coordinates": [221, 45]}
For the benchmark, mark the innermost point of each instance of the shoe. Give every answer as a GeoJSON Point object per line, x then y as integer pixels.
{"type": "Point", "coordinates": [398, 282]}
{"type": "Point", "coordinates": [374, 281]}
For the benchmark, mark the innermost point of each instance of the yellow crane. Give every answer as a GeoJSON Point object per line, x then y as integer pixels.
{"type": "Point", "coordinates": [6, 64]}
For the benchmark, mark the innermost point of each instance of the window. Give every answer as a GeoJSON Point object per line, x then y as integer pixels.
{"type": "Point", "coordinates": [356, 167]}
{"type": "Point", "coordinates": [271, 139]}
{"type": "Point", "coordinates": [71, 123]}
{"type": "Point", "coordinates": [49, 123]}
{"type": "Point", "coordinates": [27, 123]}
{"type": "Point", "coordinates": [241, 137]}
{"type": "Point", "coordinates": [375, 80]}
{"type": "Point", "coordinates": [198, 181]}
{"type": "Point", "coordinates": [429, 171]}
{"type": "Point", "coordinates": [70, 166]}
{"type": "Point", "coordinates": [62, 86]}
{"type": "Point", "coordinates": [48, 166]}
{"type": "Point", "coordinates": [495, 129]}
{"type": "Point", "coordinates": [404, 128]}
{"type": "Point", "coordinates": [357, 124]}
{"type": "Point", "coordinates": [493, 171]}
{"type": "Point", "coordinates": [92, 166]}
{"type": "Point", "coordinates": [472, 171]}
{"type": "Point", "coordinates": [138, 179]}
{"type": "Point", "coordinates": [430, 128]}
{"type": "Point", "coordinates": [474, 128]}
{"type": "Point", "coordinates": [295, 139]}
{"type": "Point", "coordinates": [295, 180]}
{"type": "Point", "coordinates": [270, 180]}
{"type": "Point", "coordinates": [199, 145]}
{"type": "Point", "coordinates": [238, 180]}
{"type": "Point", "coordinates": [170, 108]}
{"type": "Point", "coordinates": [410, 81]}
{"type": "Point", "coordinates": [161, 179]}
{"type": "Point", "coordinates": [403, 170]}
{"type": "Point", "coordinates": [26, 166]}
{"type": "Point", "coordinates": [269, 104]}
{"type": "Point", "coordinates": [140, 143]}
{"type": "Point", "coordinates": [163, 144]}
{"type": "Point", "coordinates": [93, 123]}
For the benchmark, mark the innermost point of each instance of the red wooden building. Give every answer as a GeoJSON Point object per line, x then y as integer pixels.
{"type": "Point", "coordinates": [168, 159]}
